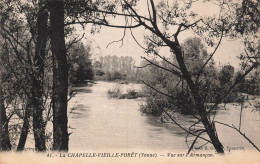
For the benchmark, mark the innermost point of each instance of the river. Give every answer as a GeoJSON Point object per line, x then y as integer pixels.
{"type": "Point", "coordinates": [101, 123]}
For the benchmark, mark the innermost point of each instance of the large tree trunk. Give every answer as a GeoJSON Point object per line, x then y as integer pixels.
{"type": "Point", "coordinates": [38, 78]}
{"type": "Point", "coordinates": [60, 75]}
{"type": "Point", "coordinates": [210, 127]}
{"type": "Point", "coordinates": [5, 143]}
{"type": "Point", "coordinates": [25, 128]}
{"type": "Point", "coordinates": [1, 125]}
{"type": "Point", "coordinates": [5, 140]}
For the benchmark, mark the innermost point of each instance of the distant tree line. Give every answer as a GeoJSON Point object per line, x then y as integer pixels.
{"type": "Point", "coordinates": [115, 68]}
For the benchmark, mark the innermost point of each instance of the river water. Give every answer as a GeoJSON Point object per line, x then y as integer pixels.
{"type": "Point", "coordinates": [101, 123]}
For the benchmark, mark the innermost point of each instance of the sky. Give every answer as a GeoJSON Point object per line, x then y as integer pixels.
{"type": "Point", "coordinates": [226, 54]}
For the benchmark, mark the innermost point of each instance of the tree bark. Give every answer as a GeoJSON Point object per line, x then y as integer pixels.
{"type": "Point", "coordinates": [5, 140]}
{"type": "Point", "coordinates": [25, 128]}
{"type": "Point", "coordinates": [5, 143]}
{"type": "Point", "coordinates": [60, 75]}
{"type": "Point", "coordinates": [38, 78]}
{"type": "Point", "coordinates": [210, 127]}
{"type": "Point", "coordinates": [1, 125]}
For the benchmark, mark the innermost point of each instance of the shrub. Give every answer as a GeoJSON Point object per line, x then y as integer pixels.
{"type": "Point", "coordinates": [131, 94]}
{"type": "Point", "coordinates": [115, 92]}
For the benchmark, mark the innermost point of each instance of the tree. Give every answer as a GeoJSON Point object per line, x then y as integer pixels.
{"type": "Point", "coordinates": [225, 81]}
{"type": "Point", "coordinates": [5, 143]}
{"type": "Point", "coordinates": [60, 74]}
{"type": "Point", "coordinates": [25, 34]}
{"type": "Point", "coordinates": [4, 136]}
{"type": "Point", "coordinates": [38, 77]}
{"type": "Point", "coordinates": [180, 100]}
{"type": "Point", "coordinates": [11, 79]}
{"type": "Point", "coordinates": [33, 61]}
{"type": "Point", "coordinates": [25, 91]}
{"type": "Point", "coordinates": [118, 67]}
{"type": "Point", "coordinates": [80, 63]}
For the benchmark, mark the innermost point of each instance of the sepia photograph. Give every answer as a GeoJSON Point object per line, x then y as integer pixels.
{"type": "Point", "coordinates": [129, 81]}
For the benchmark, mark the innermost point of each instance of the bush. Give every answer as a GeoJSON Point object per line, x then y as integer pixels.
{"type": "Point", "coordinates": [113, 76]}
{"type": "Point", "coordinates": [115, 92]}
{"type": "Point", "coordinates": [99, 72]}
{"type": "Point", "coordinates": [131, 94]}
{"type": "Point", "coordinates": [153, 106]}
{"type": "Point", "coordinates": [249, 85]}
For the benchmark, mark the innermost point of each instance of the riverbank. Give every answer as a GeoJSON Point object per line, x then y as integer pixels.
{"type": "Point", "coordinates": [251, 102]}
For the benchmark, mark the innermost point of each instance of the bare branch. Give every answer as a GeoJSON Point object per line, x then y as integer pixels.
{"type": "Point", "coordinates": [17, 53]}
{"type": "Point", "coordinates": [136, 40]}
{"type": "Point", "coordinates": [210, 57]}
{"type": "Point", "coordinates": [154, 12]}
{"type": "Point", "coordinates": [139, 17]}
{"type": "Point", "coordinates": [167, 61]}
{"type": "Point", "coordinates": [158, 44]}
{"type": "Point", "coordinates": [184, 128]}
{"type": "Point", "coordinates": [120, 40]}
{"type": "Point", "coordinates": [165, 94]}
{"type": "Point", "coordinates": [250, 58]}
{"type": "Point", "coordinates": [243, 134]}
{"type": "Point", "coordinates": [185, 27]}
{"type": "Point", "coordinates": [71, 96]}
{"type": "Point", "coordinates": [103, 24]}
{"type": "Point", "coordinates": [144, 66]}
{"type": "Point", "coordinates": [190, 25]}
{"type": "Point", "coordinates": [194, 141]}
{"type": "Point", "coordinates": [148, 7]}
{"type": "Point", "coordinates": [166, 69]}
{"type": "Point", "coordinates": [3, 28]}
{"type": "Point", "coordinates": [119, 14]}
{"type": "Point", "coordinates": [75, 40]}
{"type": "Point", "coordinates": [241, 110]}
{"type": "Point", "coordinates": [15, 75]}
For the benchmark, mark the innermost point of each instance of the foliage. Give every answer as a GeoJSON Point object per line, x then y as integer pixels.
{"type": "Point", "coordinates": [248, 17]}
{"type": "Point", "coordinates": [225, 78]}
{"type": "Point", "coordinates": [181, 99]}
{"type": "Point", "coordinates": [115, 92]}
{"type": "Point", "coordinates": [131, 94]}
{"type": "Point", "coordinates": [249, 85]}
{"type": "Point", "coordinates": [113, 76]}
{"type": "Point", "coordinates": [80, 63]}
{"type": "Point", "coordinates": [20, 68]}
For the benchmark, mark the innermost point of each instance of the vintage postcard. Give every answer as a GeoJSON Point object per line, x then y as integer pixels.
{"type": "Point", "coordinates": [129, 81]}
